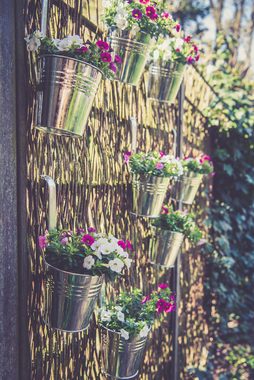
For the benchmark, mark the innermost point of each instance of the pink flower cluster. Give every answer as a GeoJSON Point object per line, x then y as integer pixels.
{"type": "Point", "coordinates": [163, 305]}
{"type": "Point", "coordinates": [125, 244]}
{"type": "Point", "coordinates": [150, 12]}
{"type": "Point", "coordinates": [204, 158]}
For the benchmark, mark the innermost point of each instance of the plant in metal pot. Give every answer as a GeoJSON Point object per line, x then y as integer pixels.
{"type": "Point", "coordinates": [125, 325]}
{"type": "Point", "coordinates": [169, 231]}
{"type": "Point", "coordinates": [151, 174]}
{"type": "Point", "coordinates": [186, 187]}
{"type": "Point", "coordinates": [133, 27]}
{"type": "Point", "coordinates": [70, 72]}
{"type": "Point", "coordinates": [170, 57]}
{"type": "Point", "coordinates": [75, 265]}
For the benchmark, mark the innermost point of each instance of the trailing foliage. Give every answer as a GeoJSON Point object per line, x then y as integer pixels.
{"type": "Point", "coordinates": [231, 271]}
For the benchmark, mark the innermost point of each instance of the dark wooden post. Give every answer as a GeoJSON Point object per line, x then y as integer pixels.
{"type": "Point", "coordinates": [13, 314]}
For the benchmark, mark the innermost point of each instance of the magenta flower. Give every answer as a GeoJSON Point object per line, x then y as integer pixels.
{"type": "Point", "coordinates": [112, 67]}
{"type": "Point", "coordinates": [190, 59]}
{"type": "Point", "coordinates": [42, 241]}
{"type": "Point", "coordinates": [197, 58]}
{"type": "Point", "coordinates": [162, 154]}
{"type": "Point", "coordinates": [122, 244]}
{"type": "Point", "coordinates": [145, 299]}
{"type": "Point", "coordinates": [169, 307]}
{"type": "Point", "coordinates": [159, 166]}
{"type": "Point", "coordinates": [102, 45]}
{"type": "Point", "coordinates": [196, 49]}
{"type": "Point", "coordinates": [88, 239]}
{"type": "Point", "coordinates": [64, 241]}
{"type": "Point", "coordinates": [166, 15]}
{"type": "Point", "coordinates": [204, 158]}
{"type": "Point", "coordinates": [150, 12]}
{"type": "Point", "coordinates": [118, 59]}
{"type": "Point", "coordinates": [154, 16]}
{"type": "Point", "coordinates": [136, 13]}
{"type": "Point", "coordinates": [163, 286]}
{"type": "Point", "coordinates": [106, 57]}
{"type": "Point", "coordinates": [82, 49]}
{"type": "Point", "coordinates": [144, 1]}
{"type": "Point", "coordinates": [129, 245]}
{"type": "Point", "coordinates": [164, 210]}
{"type": "Point", "coordinates": [126, 157]}
{"type": "Point", "coordinates": [188, 39]}
{"type": "Point", "coordinates": [178, 27]}
{"type": "Point", "coordinates": [91, 229]}
{"type": "Point", "coordinates": [161, 305]}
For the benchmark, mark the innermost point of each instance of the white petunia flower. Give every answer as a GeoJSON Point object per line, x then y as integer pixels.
{"type": "Point", "coordinates": [179, 43]}
{"type": "Point", "coordinates": [156, 55]}
{"type": "Point", "coordinates": [105, 315]}
{"type": "Point", "coordinates": [116, 265]}
{"type": "Point", "coordinates": [98, 254]}
{"type": "Point", "coordinates": [88, 262]}
{"type": "Point", "coordinates": [165, 159]}
{"type": "Point", "coordinates": [124, 334]}
{"type": "Point", "coordinates": [128, 262]}
{"type": "Point", "coordinates": [96, 245]}
{"type": "Point", "coordinates": [121, 21]}
{"type": "Point", "coordinates": [120, 316]}
{"type": "Point", "coordinates": [144, 332]}
{"type": "Point", "coordinates": [68, 42]}
{"type": "Point", "coordinates": [32, 43]}
{"type": "Point", "coordinates": [106, 3]}
{"type": "Point", "coordinates": [123, 254]}
{"type": "Point", "coordinates": [135, 29]}
{"type": "Point", "coordinates": [107, 248]}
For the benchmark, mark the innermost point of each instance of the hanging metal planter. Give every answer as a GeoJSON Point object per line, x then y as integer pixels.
{"type": "Point", "coordinates": [185, 188]}
{"type": "Point", "coordinates": [134, 49]}
{"type": "Point", "coordinates": [164, 81]}
{"type": "Point", "coordinates": [164, 247]}
{"type": "Point", "coordinates": [69, 298]}
{"type": "Point", "coordinates": [148, 194]}
{"type": "Point", "coordinates": [120, 358]}
{"type": "Point", "coordinates": [65, 94]}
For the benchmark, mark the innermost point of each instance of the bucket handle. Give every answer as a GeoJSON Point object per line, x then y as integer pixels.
{"type": "Point", "coordinates": [52, 201]}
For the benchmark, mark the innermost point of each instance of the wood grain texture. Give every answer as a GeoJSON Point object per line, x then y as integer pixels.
{"type": "Point", "coordinates": [93, 188]}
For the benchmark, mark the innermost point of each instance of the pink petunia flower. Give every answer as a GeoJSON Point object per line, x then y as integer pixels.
{"type": "Point", "coordinates": [190, 59]}
{"type": "Point", "coordinates": [43, 241]}
{"type": "Point", "coordinates": [102, 45]}
{"type": "Point", "coordinates": [204, 158]}
{"type": "Point", "coordinates": [166, 15]}
{"type": "Point", "coordinates": [112, 67]}
{"type": "Point", "coordinates": [126, 156]}
{"type": "Point", "coordinates": [136, 13]}
{"type": "Point", "coordinates": [118, 59]}
{"type": "Point", "coordinates": [169, 307]}
{"type": "Point", "coordinates": [144, 1]}
{"type": "Point", "coordinates": [196, 49]}
{"type": "Point", "coordinates": [91, 229]}
{"type": "Point", "coordinates": [178, 27]}
{"type": "Point", "coordinates": [150, 12]}
{"type": "Point", "coordinates": [82, 49]}
{"type": "Point", "coordinates": [106, 57]}
{"type": "Point", "coordinates": [161, 304]}
{"type": "Point", "coordinates": [64, 241]}
{"type": "Point", "coordinates": [163, 286]}
{"type": "Point", "coordinates": [88, 239]}
{"type": "Point", "coordinates": [162, 154]}
{"type": "Point", "coordinates": [164, 210]}
{"type": "Point", "coordinates": [80, 231]}
{"type": "Point", "coordinates": [154, 16]}
{"type": "Point", "coordinates": [197, 58]}
{"type": "Point", "coordinates": [188, 39]}
{"type": "Point", "coordinates": [122, 244]}
{"type": "Point", "coordinates": [129, 245]}
{"type": "Point", "coordinates": [159, 166]}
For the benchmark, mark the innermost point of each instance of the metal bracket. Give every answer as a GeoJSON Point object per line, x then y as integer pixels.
{"type": "Point", "coordinates": [44, 16]}
{"type": "Point", "coordinates": [52, 201]}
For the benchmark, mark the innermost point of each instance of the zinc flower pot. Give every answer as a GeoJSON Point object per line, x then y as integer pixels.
{"type": "Point", "coordinates": [134, 50]}
{"type": "Point", "coordinates": [69, 298]}
{"type": "Point", "coordinates": [164, 247]}
{"type": "Point", "coordinates": [148, 194]}
{"type": "Point", "coordinates": [185, 188]}
{"type": "Point", "coordinates": [65, 93]}
{"type": "Point", "coordinates": [120, 358]}
{"type": "Point", "coordinates": [164, 81]}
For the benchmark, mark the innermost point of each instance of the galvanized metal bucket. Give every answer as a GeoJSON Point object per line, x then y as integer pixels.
{"type": "Point", "coordinates": [164, 247]}
{"type": "Point", "coordinates": [185, 188]}
{"type": "Point", "coordinates": [121, 359]}
{"type": "Point", "coordinates": [134, 49]}
{"type": "Point", "coordinates": [65, 94]}
{"type": "Point", "coordinates": [148, 194]}
{"type": "Point", "coordinates": [69, 298]}
{"type": "Point", "coordinates": [164, 81]}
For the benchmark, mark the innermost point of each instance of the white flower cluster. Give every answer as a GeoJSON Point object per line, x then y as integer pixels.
{"type": "Point", "coordinates": [164, 50]}
{"type": "Point", "coordinates": [34, 42]}
{"type": "Point", "coordinates": [104, 246]}
{"type": "Point", "coordinates": [177, 167]}
{"type": "Point", "coordinates": [118, 315]}
{"type": "Point", "coordinates": [121, 17]}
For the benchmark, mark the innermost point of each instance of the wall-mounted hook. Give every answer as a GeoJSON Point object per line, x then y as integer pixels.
{"type": "Point", "coordinates": [52, 201]}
